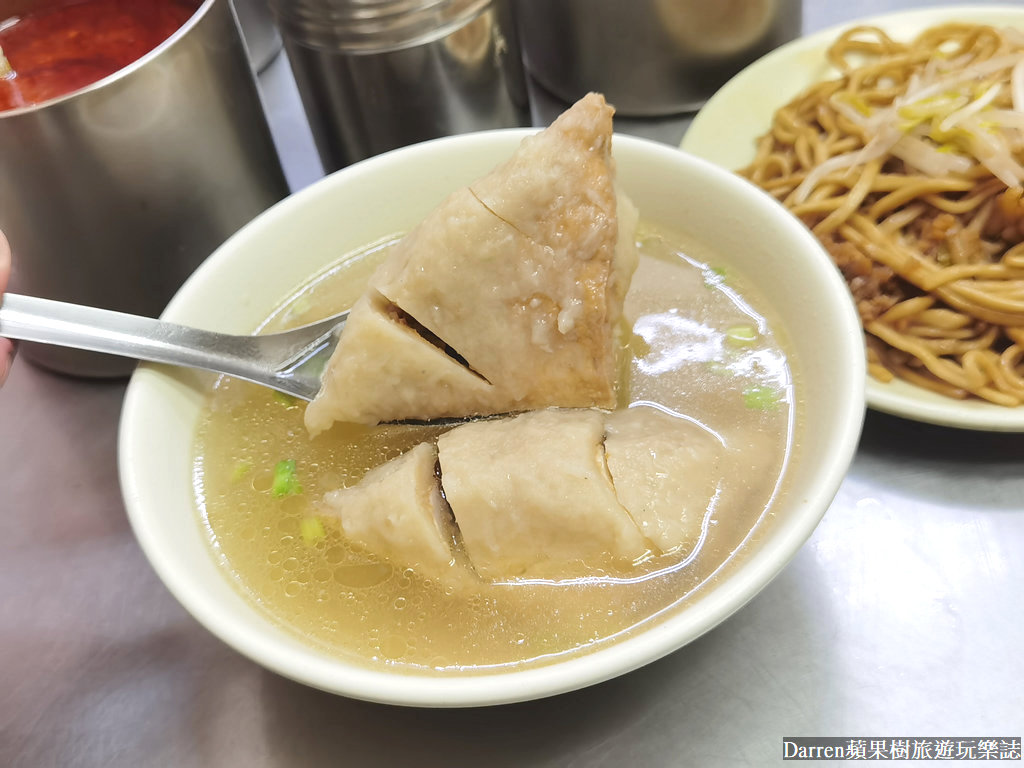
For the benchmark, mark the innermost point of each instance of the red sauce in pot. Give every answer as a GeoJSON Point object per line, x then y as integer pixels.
{"type": "Point", "coordinates": [60, 47]}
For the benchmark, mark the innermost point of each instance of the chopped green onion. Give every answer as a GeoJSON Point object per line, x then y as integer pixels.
{"type": "Point", "coordinates": [741, 335]}
{"type": "Point", "coordinates": [718, 368]}
{"type": "Point", "coordinates": [285, 482]}
{"type": "Point", "coordinates": [714, 276]}
{"type": "Point", "coordinates": [761, 399]}
{"type": "Point", "coordinates": [242, 468]}
{"type": "Point", "coordinates": [285, 399]}
{"type": "Point", "coordinates": [312, 530]}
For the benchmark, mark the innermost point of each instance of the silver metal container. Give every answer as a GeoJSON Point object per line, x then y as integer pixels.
{"type": "Point", "coordinates": [648, 57]}
{"type": "Point", "coordinates": [112, 195]}
{"type": "Point", "coordinates": [379, 74]}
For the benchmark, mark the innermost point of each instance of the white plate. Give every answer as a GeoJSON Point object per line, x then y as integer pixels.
{"type": "Point", "coordinates": [725, 130]}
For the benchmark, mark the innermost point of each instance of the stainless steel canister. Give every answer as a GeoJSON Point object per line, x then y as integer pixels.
{"type": "Point", "coordinates": [379, 74]}
{"type": "Point", "coordinates": [111, 196]}
{"type": "Point", "coordinates": [648, 57]}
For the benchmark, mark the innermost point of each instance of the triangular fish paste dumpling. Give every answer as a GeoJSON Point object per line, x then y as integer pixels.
{"type": "Point", "coordinates": [516, 281]}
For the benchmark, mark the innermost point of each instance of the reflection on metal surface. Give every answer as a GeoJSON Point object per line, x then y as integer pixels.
{"type": "Point", "coordinates": [262, 39]}
{"type": "Point", "coordinates": [651, 57]}
{"type": "Point", "coordinates": [395, 74]}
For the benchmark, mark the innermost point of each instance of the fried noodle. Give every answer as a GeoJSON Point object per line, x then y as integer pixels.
{"type": "Point", "coordinates": [908, 168]}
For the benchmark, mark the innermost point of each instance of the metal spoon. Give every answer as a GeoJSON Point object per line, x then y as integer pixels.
{"type": "Point", "coordinates": [290, 362]}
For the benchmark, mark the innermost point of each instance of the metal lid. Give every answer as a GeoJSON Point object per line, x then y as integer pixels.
{"type": "Point", "coordinates": [372, 26]}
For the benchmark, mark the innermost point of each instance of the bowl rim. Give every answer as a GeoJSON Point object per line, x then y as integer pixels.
{"type": "Point", "coordinates": [502, 686]}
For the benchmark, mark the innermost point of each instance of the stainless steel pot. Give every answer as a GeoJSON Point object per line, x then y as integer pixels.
{"type": "Point", "coordinates": [111, 196]}
{"type": "Point", "coordinates": [648, 57]}
{"type": "Point", "coordinates": [379, 74]}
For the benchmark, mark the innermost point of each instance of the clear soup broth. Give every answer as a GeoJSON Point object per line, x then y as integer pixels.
{"type": "Point", "coordinates": [699, 346]}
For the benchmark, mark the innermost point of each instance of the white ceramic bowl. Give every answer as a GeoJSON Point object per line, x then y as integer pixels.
{"type": "Point", "coordinates": [254, 271]}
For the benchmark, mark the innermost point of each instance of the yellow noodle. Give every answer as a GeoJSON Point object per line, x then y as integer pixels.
{"type": "Point", "coordinates": [907, 308]}
{"type": "Point", "coordinates": [944, 319]}
{"type": "Point", "coordinates": [911, 189]}
{"type": "Point", "coordinates": [901, 218]}
{"type": "Point", "coordinates": [923, 331]}
{"type": "Point", "coordinates": [1009, 369]}
{"type": "Point", "coordinates": [853, 200]}
{"type": "Point", "coordinates": [930, 382]}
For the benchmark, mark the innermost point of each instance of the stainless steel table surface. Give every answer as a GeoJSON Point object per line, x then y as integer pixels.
{"type": "Point", "coordinates": [901, 616]}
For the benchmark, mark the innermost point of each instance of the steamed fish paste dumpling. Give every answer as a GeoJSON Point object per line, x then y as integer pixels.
{"type": "Point", "coordinates": [505, 298]}
{"type": "Point", "coordinates": [546, 494]}
{"type": "Point", "coordinates": [565, 493]}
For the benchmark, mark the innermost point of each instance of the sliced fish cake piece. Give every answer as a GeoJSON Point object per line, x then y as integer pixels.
{"type": "Point", "coordinates": [397, 511]}
{"type": "Point", "coordinates": [666, 472]}
{"type": "Point", "coordinates": [391, 368]}
{"type": "Point", "coordinates": [532, 497]}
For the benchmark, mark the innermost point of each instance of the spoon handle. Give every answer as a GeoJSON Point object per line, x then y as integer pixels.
{"type": "Point", "coordinates": [288, 361]}
{"type": "Point", "coordinates": [102, 330]}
